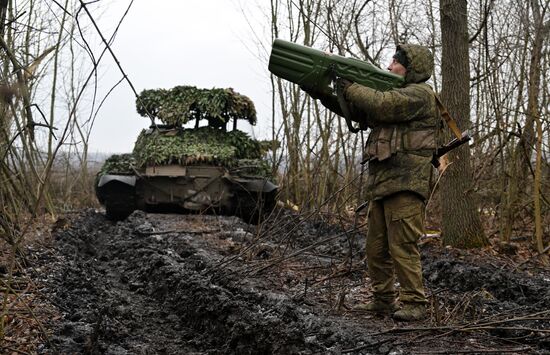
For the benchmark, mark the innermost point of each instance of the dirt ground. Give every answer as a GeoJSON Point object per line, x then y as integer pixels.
{"type": "Point", "coordinates": [190, 284]}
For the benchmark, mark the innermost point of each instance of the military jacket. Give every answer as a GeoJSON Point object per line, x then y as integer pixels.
{"type": "Point", "coordinates": [404, 128]}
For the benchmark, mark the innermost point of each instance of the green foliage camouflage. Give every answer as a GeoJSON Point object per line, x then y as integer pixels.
{"type": "Point", "coordinates": [119, 164]}
{"type": "Point", "coordinates": [233, 149]}
{"type": "Point", "coordinates": [181, 104]}
{"type": "Point", "coordinates": [253, 167]}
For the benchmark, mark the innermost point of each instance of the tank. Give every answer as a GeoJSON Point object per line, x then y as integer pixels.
{"type": "Point", "coordinates": [203, 169]}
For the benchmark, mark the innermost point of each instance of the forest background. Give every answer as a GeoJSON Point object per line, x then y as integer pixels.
{"type": "Point", "coordinates": [491, 60]}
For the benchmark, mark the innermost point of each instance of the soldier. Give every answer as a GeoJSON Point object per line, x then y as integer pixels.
{"type": "Point", "coordinates": [404, 125]}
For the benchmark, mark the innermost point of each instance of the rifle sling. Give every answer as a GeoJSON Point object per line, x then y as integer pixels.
{"type": "Point", "coordinates": [448, 119]}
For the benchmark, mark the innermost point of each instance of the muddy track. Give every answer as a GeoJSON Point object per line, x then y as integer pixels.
{"type": "Point", "coordinates": [129, 292]}
{"type": "Point", "coordinates": [156, 284]}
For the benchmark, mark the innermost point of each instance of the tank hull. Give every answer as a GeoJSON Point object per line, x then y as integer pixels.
{"type": "Point", "coordinates": [202, 189]}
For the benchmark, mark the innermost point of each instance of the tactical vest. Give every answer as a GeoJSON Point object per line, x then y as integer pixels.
{"type": "Point", "coordinates": [385, 141]}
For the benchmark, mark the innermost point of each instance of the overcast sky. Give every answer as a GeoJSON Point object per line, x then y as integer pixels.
{"type": "Point", "coordinates": [165, 43]}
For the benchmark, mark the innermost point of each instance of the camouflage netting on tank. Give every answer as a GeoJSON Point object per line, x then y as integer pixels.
{"type": "Point", "coordinates": [119, 164]}
{"type": "Point", "coordinates": [181, 104]}
{"type": "Point", "coordinates": [253, 167]}
{"type": "Point", "coordinates": [233, 149]}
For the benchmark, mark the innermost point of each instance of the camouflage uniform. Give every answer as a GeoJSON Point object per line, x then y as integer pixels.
{"type": "Point", "coordinates": [404, 125]}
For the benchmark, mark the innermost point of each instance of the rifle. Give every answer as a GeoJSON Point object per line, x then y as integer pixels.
{"type": "Point", "coordinates": [455, 143]}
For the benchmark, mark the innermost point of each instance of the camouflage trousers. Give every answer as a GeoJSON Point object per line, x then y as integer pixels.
{"type": "Point", "coordinates": [395, 223]}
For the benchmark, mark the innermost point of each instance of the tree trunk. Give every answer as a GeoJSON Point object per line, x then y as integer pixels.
{"type": "Point", "coordinates": [541, 31]}
{"type": "Point", "coordinates": [461, 225]}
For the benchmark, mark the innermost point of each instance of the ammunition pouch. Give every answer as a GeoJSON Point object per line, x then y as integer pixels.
{"type": "Point", "coordinates": [385, 141]}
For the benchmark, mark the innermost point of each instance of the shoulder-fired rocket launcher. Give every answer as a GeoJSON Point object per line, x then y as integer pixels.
{"type": "Point", "coordinates": [315, 69]}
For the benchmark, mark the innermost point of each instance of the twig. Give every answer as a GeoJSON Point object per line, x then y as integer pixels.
{"type": "Point", "coordinates": [39, 324]}
{"type": "Point", "coordinates": [295, 225]}
{"type": "Point", "coordinates": [546, 331]}
{"type": "Point", "coordinates": [526, 317]}
{"type": "Point", "coordinates": [473, 326]}
{"type": "Point", "coordinates": [477, 351]}
{"type": "Point", "coordinates": [289, 230]}
{"type": "Point", "coordinates": [15, 350]}
{"type": "Point", "coordinates": [335, 275]}
{"type": "Point", "coordinates": [346, 351]}
{"type": "Point", "coordinates": [24, 90]}
{"type": "Point", "coordinates": [206, 231]}
{"type": "Point", "coordinates": [531, 258]}
{"type": "Point", "coordinates": [124, 75]}
{"type": "Point", "coordinates": [281, 259]}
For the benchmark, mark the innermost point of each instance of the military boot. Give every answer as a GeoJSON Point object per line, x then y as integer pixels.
{"type": "Point", "coordinates": [411, 312]}
{"type": "Point", "coordinates": [378, 306]}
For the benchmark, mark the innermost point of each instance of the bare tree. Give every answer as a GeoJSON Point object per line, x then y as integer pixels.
{"type": "Point", "coordinates": [461, 226]}
{"type": "Point", "coordinates": [533, 114]}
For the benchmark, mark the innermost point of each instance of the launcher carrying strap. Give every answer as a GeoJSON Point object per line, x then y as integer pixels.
{"type": "Point", "coordinates": [342, 100]}
{"type": "Point", "coordinates": [345, 109]}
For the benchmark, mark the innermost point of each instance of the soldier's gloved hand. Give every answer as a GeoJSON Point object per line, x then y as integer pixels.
{"type": "Point", "coordinates": [342, 84]}
{"type": "Point", "coordinates": [316, 95]}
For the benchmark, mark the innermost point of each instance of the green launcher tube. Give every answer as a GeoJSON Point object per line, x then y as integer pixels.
{"type": "Point", "coordinates": [316, 69]}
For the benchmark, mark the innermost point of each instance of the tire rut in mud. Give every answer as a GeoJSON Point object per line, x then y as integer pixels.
{"type": "Point", "coordinates": [122, 291]}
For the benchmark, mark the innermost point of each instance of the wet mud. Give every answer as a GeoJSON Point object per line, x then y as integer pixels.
{"type": "Point", "coordinates": [190, 284]}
